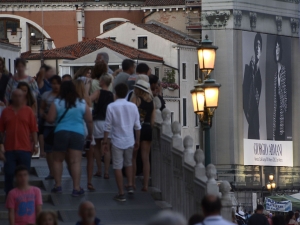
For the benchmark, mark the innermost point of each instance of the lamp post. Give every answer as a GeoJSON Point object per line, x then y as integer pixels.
{"type": "Point", "coordinates": [205, 95]}
{"type": "Point", "coordinates": [271, 184]}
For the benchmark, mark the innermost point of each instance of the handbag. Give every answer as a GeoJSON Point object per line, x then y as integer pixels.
{"type": "Point", "coordinates": [49, 140]}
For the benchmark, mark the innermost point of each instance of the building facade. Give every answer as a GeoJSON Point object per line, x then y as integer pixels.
{"type": "Point", "coordinates": [255, 127]}
{"type": "Point", "coordinates": [9, 53]}
{"type": "Point", "coordinates": [62, 22]}
{"type": "Point", "coordinates": [179, 52]}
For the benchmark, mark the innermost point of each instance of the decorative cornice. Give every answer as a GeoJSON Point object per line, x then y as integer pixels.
{"type": "Point", "coordinates": [278, 20]}
{"type": "Point", "coordinates": [253, 18]}
{"type": "Point", "coordinates": [216, 19]}
{"type": "Point", "coordinates": [237, 15]}
{"type": "Point", "coordinates": [290, 1]}
{"type": "Point", "coordinates": [295, 25]}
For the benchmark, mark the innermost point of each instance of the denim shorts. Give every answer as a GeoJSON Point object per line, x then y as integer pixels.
{"type": "Point", "coordinates": [64, 140]}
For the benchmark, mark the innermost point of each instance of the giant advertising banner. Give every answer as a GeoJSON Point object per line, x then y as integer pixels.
{"type": "Point", "coordinates": [282, 206]}
{"type": "Point", "coordinates": [267, 100]}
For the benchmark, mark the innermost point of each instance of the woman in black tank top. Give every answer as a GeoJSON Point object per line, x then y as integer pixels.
{"type": "Point", "coordinates": [144, 101]}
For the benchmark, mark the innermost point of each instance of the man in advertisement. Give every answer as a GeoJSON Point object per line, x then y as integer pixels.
{"type": "Point", "coordinates": [252, 90]}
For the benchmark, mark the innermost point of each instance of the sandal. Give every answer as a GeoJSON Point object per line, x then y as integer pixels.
{"type": "Point", "coordinates": [133, 186]}
{"type": "Point", "coordinates": [91, 187]}
{"type": "Point", "coordinates": [106, 176]}
{"type": "Point", "coordinates": [97, 174]}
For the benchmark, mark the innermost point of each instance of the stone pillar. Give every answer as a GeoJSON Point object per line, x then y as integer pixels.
{"type": "Point", "coordinates": [189, 150]}
{"type": "Point", "coordinates": [47, 44]}
{"type": "Point", "coordinates": [80, 24]}
{"type": "Point", "coordinates": [157, 104]}
{"type": "Point", "coordinates": [176, 138]}
{"type": "Point", "coordinates": [166, 125]}
{"type": "Point", "coordinates": [200, 171]}
{"type": "Point", "coordinates": [211, 185]}
{"type": "Point", "coordinates": [226, 200]}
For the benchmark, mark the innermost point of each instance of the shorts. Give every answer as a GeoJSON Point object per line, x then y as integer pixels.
{"type": "Point", "coordinates": [47, 129]}
{"type": "Point", "coordinates": [64, 140]}
{"type": "Point", "coordinates": [146, 132]}
{"type": "Point", "coordinates": [121, 157]}
{"type": "Point", "coordinates": [99, 129]}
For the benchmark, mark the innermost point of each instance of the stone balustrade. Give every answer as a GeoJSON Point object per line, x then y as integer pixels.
{"type": "Point", "coordinates": [178, 171]}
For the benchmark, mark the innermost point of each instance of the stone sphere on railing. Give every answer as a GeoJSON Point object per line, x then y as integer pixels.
{"type": "Point", "coordinates": [176, 129]}
{"type": "Point", "coordinates": [166, 115]}
{"type": "Point", "coordinates": [157, 102]}
{"type": "Point", "coordinates": [158, 116]}
{"type": "Point", "coordinates": [225, 188]}
{"type": "Point", "coordinates": [199, 158]}
{"type": "Point", "coordinates": [211, 173]}
{"type": "Point", "coordinates": [188, 143]}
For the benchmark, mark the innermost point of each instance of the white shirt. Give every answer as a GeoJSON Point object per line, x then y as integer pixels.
{"type": "Point", "coordinates": [121, 118]}
{"type": "Point", "coordinates": [215, 220]}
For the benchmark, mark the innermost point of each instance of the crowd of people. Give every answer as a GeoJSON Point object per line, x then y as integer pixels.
{"type": "Point", "coordinates": [107, 114]}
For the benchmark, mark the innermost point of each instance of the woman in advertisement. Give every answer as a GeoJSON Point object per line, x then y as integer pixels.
{"type": "Point", "coordinates": [280, 94]}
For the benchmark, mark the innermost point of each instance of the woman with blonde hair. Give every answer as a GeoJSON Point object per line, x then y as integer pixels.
{"type": "Point", "coordinates": [47, 218]}
{"type": "Point", "coordinates": [144, 101]}
{"type": "Point", "coordinates": [83, 94]}
{"type": "Point", "coordinates": [84, 71]}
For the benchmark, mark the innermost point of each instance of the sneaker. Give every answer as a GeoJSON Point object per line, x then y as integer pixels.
{"type": "Point", "coordinates": [130, 190]}
{"type": "Point", "coordinates": [120, 198]}
{"type": "Point", "coordinates": [76, 193]}
{"type": "Point", "coordinates": [56, 190]}
{"type": "Point", "coordinates": [49, 177]}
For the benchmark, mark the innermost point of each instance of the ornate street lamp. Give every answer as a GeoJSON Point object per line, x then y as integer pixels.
{"type": "Point", "coordinates": [205, 96]}
{"type": "Point", "coordinates": [271, 184]}
{"type": "Point", "coordinates": [207, 56]}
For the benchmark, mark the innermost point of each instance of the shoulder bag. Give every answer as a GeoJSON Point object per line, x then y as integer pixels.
{"type": "Point", "coordinates": [49, 139]}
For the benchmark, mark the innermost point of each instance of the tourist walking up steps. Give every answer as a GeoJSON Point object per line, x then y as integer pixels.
{"type": "Point", "coordinates": [144, 102]}
{"type": "Point", "coordinates": [24, 202]}
{"type": "Point", "coordinates": [69, 112]}
{"type": "Point", "coordinates": [101, 98]}
{"type": "Point", "coordinates": [47, 99]}
{"type": "Point", "coordinates": [20, 76]}
{"type": "Point", "coordinates": [121, 118]}
{"type": "Point", "coordinates": [18, 123]}
{"type": "Point", "coordinates": [89, 145]}
{"type": "Point", "coordinates": [29, 98]}
{"type": "Point", "coordinates": [128, 68]}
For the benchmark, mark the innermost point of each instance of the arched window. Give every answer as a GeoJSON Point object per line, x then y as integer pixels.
{"type": "Point", "coordinates": [111, 25]}
{"type": "Point", "coordinates": [7, 23]}
{"type": "Point", "coordinates": [36, 36]}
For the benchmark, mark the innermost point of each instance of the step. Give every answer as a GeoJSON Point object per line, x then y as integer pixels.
{"type": "Point", "coordinates": [155, 193]}
{"type": "Point", "coordinates": [163, 205]}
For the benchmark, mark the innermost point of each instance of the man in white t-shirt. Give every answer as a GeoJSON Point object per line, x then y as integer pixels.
{"type": "Point", "coordinates": [121, 118]}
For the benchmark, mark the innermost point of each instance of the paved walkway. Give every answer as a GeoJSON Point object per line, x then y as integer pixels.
{"type": "Point", "coordinates": [136, 210]}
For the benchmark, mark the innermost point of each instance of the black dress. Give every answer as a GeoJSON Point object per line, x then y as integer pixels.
{"type": "Point", "coordinates": [145, 110]}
